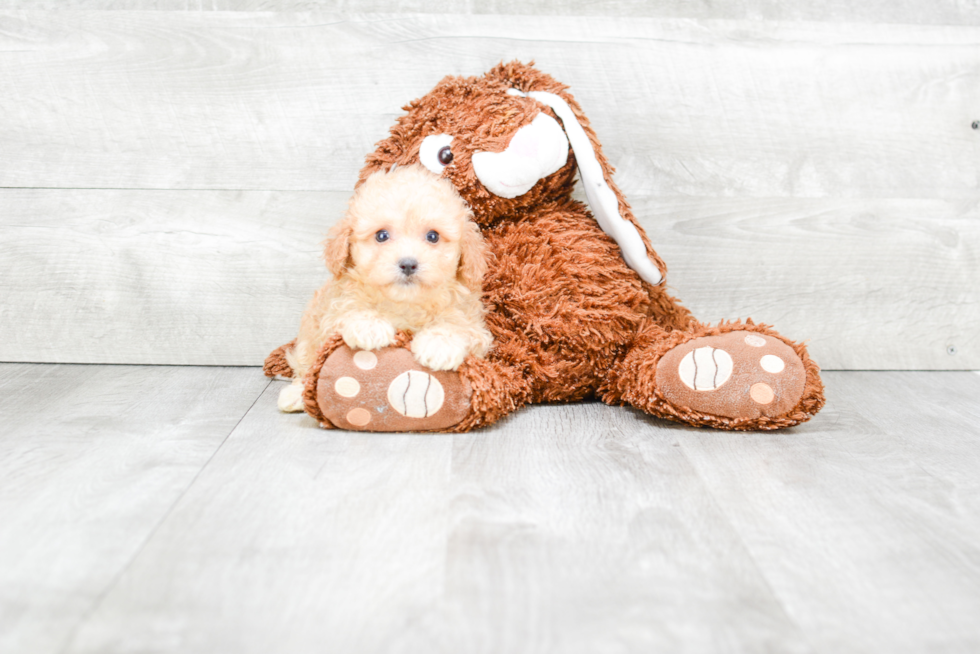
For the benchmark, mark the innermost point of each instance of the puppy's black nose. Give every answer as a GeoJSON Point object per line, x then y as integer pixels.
{"type": "Point", "coordinates": [409, 266]}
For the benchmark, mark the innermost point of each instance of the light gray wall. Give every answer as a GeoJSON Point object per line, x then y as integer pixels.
{"type": "Point", "coordinates": [166, 176]}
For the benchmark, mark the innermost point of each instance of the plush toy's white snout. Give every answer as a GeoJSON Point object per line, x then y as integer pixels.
{"type": "Point", "coordinates": [535, 151]}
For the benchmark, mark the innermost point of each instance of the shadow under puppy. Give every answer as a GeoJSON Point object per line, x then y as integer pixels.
{"type": "Point", "coordinates": [406, 256]}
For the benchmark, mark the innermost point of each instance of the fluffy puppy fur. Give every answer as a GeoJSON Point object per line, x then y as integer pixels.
{"type": "Point", "coordinates": [406, 256]}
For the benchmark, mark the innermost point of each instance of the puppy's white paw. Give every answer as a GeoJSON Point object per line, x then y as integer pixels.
{"type": "Point", "coordinates": [368, 334]}
{"type": "Point", "coordinates": [440, 349]}
{"type": "Point", "coordinates": [291, 398]}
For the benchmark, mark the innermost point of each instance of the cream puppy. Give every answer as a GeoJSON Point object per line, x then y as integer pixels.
{"type": "Point", "coordinates": [406, 256]}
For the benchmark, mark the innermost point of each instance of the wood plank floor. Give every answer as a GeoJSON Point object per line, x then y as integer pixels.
{"type": "Point", "coordinates": [173, 509]}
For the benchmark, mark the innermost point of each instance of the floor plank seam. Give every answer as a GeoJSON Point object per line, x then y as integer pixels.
{"type": "Point", "coordinates": [122, 571]}
{"type": "Point", "coordinates": [748, 553]}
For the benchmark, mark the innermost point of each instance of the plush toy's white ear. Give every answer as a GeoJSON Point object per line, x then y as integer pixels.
{"type": "Point", "coordinates": [602, 199]}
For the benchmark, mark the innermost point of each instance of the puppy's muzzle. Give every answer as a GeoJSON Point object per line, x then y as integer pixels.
{"type": "Point", "coordinates": [409, 266]}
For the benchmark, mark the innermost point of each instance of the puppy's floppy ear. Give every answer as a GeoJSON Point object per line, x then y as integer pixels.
{"type": "Point", "coordinates": [336, 249]}
{"type": "Point", "coordinates": [472, 257]}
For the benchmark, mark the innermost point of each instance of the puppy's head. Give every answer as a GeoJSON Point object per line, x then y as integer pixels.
{"type": "Point", "coordinates": [407, 232]}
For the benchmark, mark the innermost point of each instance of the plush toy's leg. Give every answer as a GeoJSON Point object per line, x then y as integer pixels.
{"type": "Point", "coordinates": [497, 389]}
{"type": "Point", "coordinates": [276, 363]}
{"type": "Point", "coordinates": [387, 390]}
{"type": "Point", "coordinates": [732, 376]}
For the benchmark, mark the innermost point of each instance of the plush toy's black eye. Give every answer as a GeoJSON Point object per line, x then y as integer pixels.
{"type": "Point", "coordinates": [432, 236]}
{"type": "Point", "coordinates": [381, 236]}
{"type": "Point", "coordinates": [445, 156]}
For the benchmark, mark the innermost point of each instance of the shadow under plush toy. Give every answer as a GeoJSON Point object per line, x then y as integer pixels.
{"type": "Point", "coordinates": [575, 298]}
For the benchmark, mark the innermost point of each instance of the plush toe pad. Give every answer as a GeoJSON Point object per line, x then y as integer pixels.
{"type": "Point", "coordinates": [387, 390]}
{"type": "Point", "coordinates": [735, 375]}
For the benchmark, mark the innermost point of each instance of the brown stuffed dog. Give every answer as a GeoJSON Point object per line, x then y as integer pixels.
{"type": "Point", "coordinates": [575, 298]}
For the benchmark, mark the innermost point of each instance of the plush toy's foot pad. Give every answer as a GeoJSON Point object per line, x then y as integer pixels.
{"type": "Point", "coordinates": [388, 390]}
{"type": "Point", "coordinates": [740, 374]}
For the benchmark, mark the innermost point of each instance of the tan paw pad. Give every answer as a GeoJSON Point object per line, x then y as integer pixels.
{"type": "Point", "coordinates": [761, 393]}
{"type": "Point", "coordinates": [347, 387]}
{"type": "Point", "coordinates": [772, 363]}
{"type": "Point", "coordinates": [365, 359]}
{"type": "Point", "coordinates": [359, 417]}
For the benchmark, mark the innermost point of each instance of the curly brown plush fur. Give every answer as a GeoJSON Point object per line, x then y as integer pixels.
{"type": "Point", "coordinates": [570, 319]}
{"type": "Point", "coordinates": [276, 363]}
{"type": "Point", "coordinates": [310, 381]}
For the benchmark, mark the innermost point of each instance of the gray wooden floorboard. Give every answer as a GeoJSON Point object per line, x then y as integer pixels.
{"type": "Point", "coordinates": [567, 529]}
{"type": "Point", "coordinates": [579, 528]}
{"type": "Point", "coordinates": [866, 521]}
{"type": "Point", "coordinates": [165, 277]}
{"type": "Point", "coordinates": [91, 460]}
{"type": "Point", "coordinates": [90, 275]}
{"type": "Point", "coordinates": [287, 101]}
{"type": "Point", "coordinates": [168, 175]}
{"type": "Point", "coordinates": [950, 12]}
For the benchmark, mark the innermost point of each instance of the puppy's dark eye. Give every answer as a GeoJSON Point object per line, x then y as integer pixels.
{"type": "Point", "coordinates": [381, 236]}
{"type": "Point", "coordinates": [432, 236]}
{"type": "Point", "coordinates": [445, 156]}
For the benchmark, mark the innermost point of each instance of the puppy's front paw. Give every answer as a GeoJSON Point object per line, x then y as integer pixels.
{"type": "Point", "coordinates": [439, 349]}
{"type": "Point", "coordinates": [368, 334]}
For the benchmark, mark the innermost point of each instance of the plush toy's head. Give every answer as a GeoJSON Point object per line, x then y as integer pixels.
{"type": "Point", "coordinates": [510, 141]}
